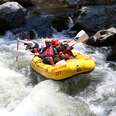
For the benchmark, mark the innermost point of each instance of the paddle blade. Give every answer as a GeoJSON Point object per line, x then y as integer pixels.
{"type": "Point", "coordinates": [17, 50]}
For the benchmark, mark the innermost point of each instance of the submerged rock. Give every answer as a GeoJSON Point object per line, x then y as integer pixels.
{"type": "Point", "coordinates": [12, 15]}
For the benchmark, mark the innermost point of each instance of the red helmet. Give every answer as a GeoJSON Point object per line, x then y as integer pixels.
{"type": "Point", "coordinates": [55, 42]}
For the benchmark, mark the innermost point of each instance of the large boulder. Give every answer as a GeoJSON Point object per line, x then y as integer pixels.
{"type": "Point", "coordinates": [76, 2]}
{"type": "Point", "coordinates": [48, 3]}
{"type": "Point", "coordinates": [42, 25]}
{"type": "Point", "coordinates": [68, 2]}
{"type": "Point", "coordinates": [25, 3]}
{"type": "Point", "coordinates": [112, 55]}
{"type": "Point", "coordinates": [12, 15]}
{"type": "Point", "coordinates": [95, 18]}
{"type": "Point", "coordinates": [94, 2]}
{"type": "Point", "coordinates": [45, 3]}
{"type": "Point", "coordinates": [104, 37]}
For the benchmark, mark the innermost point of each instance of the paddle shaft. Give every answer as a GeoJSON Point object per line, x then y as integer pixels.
{"type": "Point", "coordinates": [17, 50]}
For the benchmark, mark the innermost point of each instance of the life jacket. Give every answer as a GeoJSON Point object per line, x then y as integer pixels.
{"type": "Point", "coordinates": [67, 50]}
{"type": "Point", "coordinates": [48, 52]}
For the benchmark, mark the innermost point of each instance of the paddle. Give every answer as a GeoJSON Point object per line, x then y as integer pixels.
{"type": "Point", "coordinates": [80, 37]}
{"type": "Point", "coordinates": [17, 50]}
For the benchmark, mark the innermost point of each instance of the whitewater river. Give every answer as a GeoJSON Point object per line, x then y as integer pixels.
{"type": "Point", "coordinates": [92, 94]}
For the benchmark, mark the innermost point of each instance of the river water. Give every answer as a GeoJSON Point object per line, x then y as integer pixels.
{"type": "Point", "coordinates": [84, 95]}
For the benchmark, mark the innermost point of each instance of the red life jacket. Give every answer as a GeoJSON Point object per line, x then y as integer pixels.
{"type": "Point", "coordinates": [48, 52]}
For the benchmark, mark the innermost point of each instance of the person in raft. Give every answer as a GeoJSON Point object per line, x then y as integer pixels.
{"type": "Point", "coordinates": [63, 49]}
{"type": "Point", "coordinates": [47, 53]}
{"type": "Point", "coordinates": [31, 45]}
{"type": "Point", "coordinates": [50, 54]}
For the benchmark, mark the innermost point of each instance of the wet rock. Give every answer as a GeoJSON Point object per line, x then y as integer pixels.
{"type": "Point", "coordinates": [68, 2]}
{"type": "Point", "coordinates": [65, 21]}
{"type": "Point", "coordinates": [60, 23]}
{"type": "Point", "coordinates": [73, 3]}
{"type": "Point", "coordinates": [104, 38]}
{"type": "Point", "coordinates": [48, 4]}
{"type": "Point", "coordinates": [101, 38]}
{"type": "Point", "coordinates": [45, 25]}
{"type": "Point", "coordinates": [95, 18]}
{"type": "Point", "coordinates": [112, 55]}
{"type": "Point", "coordinates": [24, 3]}
{"type": "Point", "coordinates": [12, 15]}
{"type": "Point", "coordinates": [112, 29]}
{"type": "Point", "coordinates": [42, 25]}
{"type": "Point", "coordinates": [40, 4]}
{"type": "Point", "coordinates": [99, 2]}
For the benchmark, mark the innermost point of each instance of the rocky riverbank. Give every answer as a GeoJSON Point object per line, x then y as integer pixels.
{"type": "Point", "coordinates": [82, 13]}
{"type": "Point", "coordinates": [47, 17]}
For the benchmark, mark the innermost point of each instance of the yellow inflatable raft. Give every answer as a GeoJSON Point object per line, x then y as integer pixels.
{"type": "Point", "coordinates": [80, 64]}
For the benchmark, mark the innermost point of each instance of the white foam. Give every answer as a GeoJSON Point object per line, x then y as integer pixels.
{"type": "Point", "coordinates": [46, 99]}
{"type": "Point", "coordinates": [12, 88]}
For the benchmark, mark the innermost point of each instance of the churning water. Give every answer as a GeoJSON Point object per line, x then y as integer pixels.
{"type": "Point", "coordinates": [84, 95]}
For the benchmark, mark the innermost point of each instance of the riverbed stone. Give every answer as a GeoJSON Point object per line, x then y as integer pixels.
{"type": "Point", "coordinates": [12, 15]}
{"type": "Point", "coordinates": [112, 55]}
{"type": "Point", "coordinates": [95, 18]}
{"type": "Point", "coordinates": [104, 38]}
{"type": "Point", "coordinates": [69, 2]}
{"type": "Point", "coordinates": [97, 2]}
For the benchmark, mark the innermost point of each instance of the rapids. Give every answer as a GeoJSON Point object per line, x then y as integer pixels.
{"type": "Point", "coordinates": [85, 95]}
